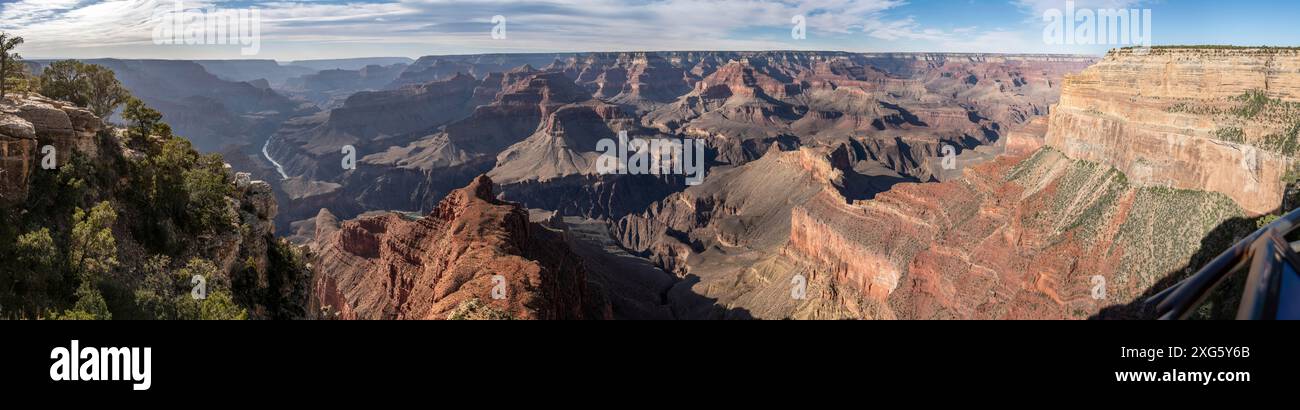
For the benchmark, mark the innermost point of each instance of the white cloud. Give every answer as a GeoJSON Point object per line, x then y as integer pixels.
{"type": "Point", "coordinates": [22, 12]}
{"type": "Point", "coordinates": [310, 29]}
{"type": "Point", "coordinates": [1037, 7]}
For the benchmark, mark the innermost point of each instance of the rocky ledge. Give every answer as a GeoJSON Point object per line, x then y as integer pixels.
{"type": "Point", "coordinates": [29, 123]}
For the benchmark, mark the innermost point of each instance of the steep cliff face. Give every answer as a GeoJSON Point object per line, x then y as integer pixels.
{"type": "Point", "coordinates": [723, 238]}
{"type": "Point", "coordinates": [1028, 139]}
{"type": "Point", "coordinates": [1012, 240]}
{"type": "Point", "coordinates": [472, 252]}
{"type": "Point", "coordinates": [1220, 120]}
{"type": "Point", "coordinates": [17, 150]}
{"type": "Point", "coordinates": [26, 125]}
{"type": "Point", "coordinates": [1153, 164]}
{"type": "Point", "coordinates": [17, 153]}
{"type": "Point", "coordinates": [1035, 233]}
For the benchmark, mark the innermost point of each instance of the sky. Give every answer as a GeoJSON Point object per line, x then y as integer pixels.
{"type": "Point", "coordinates": [322, 29]}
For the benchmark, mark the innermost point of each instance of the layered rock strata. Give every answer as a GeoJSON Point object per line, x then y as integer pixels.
{"type": "Point", "coordinates": [29, 124]}
{"type": "Point", "coordinates": [1219, 120]}
{"type": "Point", "coordinates": [472, 252]}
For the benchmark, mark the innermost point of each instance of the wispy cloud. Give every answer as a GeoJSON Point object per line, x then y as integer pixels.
{"type": "Point", "coordinates": [349, 28]}
{"type": "Point", "coordinates": [78, 27]}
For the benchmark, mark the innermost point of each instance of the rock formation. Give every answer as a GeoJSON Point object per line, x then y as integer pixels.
{"type": "Point", "coordinates": [1035, 233]}
{"type": "Point", "coordinates": [30, 123]}
{"type": "Point", "coordinates": [1137, 186]}
{"type": "Point", "coordinates": [826, 170]}
{"type": "Point", "coordinates": [1012, 240]}
{"type": "Point", "coordinates": [781, 129]}
{"type": "Point", "coordinates": [472, 250]}
{"type": "Point", "coordinates": [1203, 119]}
{"type": "Point", "coordinates": [718, 236]}
{"type": "Point", "coordinates": [535, 129]}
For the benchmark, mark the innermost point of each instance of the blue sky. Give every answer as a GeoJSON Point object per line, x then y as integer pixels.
{"type": "Point", "coordinates": [290, 30]}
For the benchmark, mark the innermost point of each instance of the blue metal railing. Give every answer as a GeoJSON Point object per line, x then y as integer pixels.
{"type": "Point", "coordinates": [1180, 300]}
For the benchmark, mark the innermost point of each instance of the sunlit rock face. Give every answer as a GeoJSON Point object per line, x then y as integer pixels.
{"type": "Point", "coordinates": [1151, 164]}
{"type": "Point", "coordinates": [1220, 120]}
{"type": "Point", "coordinates": [471, 249]}
{"type": "Point", "coordinates": [27, 124]}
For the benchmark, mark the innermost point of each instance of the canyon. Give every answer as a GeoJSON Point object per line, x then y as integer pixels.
{"type": "Point", "coordinates": [780, 128]}
{"type": "Point", "coordinates": [1206, 120]}
{"type": "Point", "coordinates": [1133, 187]}
{"type": "Point", "coordinates": [534, 130]}
{"type": "Point", "coordinates": [1119, 185]}
{"type": "Point", "coordinates": [838, 185]}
